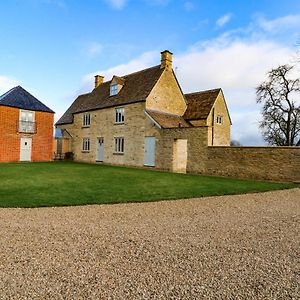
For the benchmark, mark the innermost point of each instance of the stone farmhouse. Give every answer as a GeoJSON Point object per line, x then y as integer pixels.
{"type": "Point", "coordinates": [26, 127]}
{"type": "Point", "coordinates": [144, 119]}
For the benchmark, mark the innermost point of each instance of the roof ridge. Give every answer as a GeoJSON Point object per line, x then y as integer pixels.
{"type": "Point", "coordinates": [133, 73]}
{"type": "Point", "coordinates": [203, 91]}
{"type": "Point", "coordinates": [140, 71]}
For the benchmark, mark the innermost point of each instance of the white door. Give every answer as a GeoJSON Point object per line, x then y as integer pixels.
{"type": "Point", "coordinates": [25, 149]}
{"type": "Point", "coordinates": [100, 149]}
{"type": "Point", "coordinates": [149, 151]}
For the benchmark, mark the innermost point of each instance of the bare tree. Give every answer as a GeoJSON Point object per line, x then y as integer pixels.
{"type": "Point", "coordinates": [235, 143]}
{"type": "Point", "coordinates": [281, 110]}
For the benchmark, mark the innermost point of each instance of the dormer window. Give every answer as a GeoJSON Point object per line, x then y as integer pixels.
{"type": "Point", "coordinates": [113, 89]}
{"type": "Point", "coordinates": [116, 85]}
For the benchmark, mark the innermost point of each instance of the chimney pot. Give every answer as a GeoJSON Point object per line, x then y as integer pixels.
{"type": "Point", "coordinates": [166, 60]}
{"type": "Point", "coordinates": [98, 80]}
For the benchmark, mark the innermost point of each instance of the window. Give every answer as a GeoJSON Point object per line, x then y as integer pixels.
{"type": "Point", "coordinates": [113, 89]}
{"type": "Point", "coordinates": [86, 120]}
{"type": "Point", "coordinates": [120, 115]}
{"type": "Point", "coordinates": [86, 144]}
{"type": "Point", "coordinates": [219, 119]}
{"type": "Point", "coordinates": [26, 121]}
{"type": "Point", "coordinates": [119, 145]}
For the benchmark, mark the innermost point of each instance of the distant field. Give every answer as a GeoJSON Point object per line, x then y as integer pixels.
{"type": "Point", "coordinates": [69, 183]}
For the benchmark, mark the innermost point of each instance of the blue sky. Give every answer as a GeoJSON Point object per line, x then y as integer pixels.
{"type": "Point", "coordinates": [54, 47]}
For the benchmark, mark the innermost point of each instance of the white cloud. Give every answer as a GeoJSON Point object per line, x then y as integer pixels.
{"type": "Point", "coordinates": [234, 64]}
{"type": "Point", "coordinates": [117, 4]}
{"type": "Point", "coordinates": [245, 128]}
{"type": "Point", "coordinates": [279, 24]}
{"type": "Point", "coordinates": [144, 61]}
{"type": "Point", "coordinates": [222, 21]}
{"type": "Point", "coordinates": [7, 83]}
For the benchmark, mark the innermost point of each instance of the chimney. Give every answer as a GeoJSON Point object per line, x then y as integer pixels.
{"type": "Point", "coordinates": [166, 60]}
{"type": "Point", "coordinates": [98, 80]}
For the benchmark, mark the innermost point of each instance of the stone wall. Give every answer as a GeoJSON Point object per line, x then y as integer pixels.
{"type": "Point", "coordinates": [265, 163]}
{"type": "Point", "coordinates": [166, 95]}
{"type": "Point", "coordinates": [135, 128]}
{"type": "Point", "coordinates": [196, 145]}
{"type": "Point", "coordinates": [219, 134]}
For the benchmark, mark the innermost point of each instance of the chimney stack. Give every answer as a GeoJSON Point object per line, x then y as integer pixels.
{"type": "Point", "coordinates": [98, 80]}
{"type": "Point", "coordinates": [166, 60]}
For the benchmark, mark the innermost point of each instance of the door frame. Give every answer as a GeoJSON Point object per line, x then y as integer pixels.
{"type": "Point", "coordinates": [180, 155]}
{"type": "Point", "coordinates": [98, 138]}
{"type": "Point", "coordinates": [21, 140]}
{"type": "Point", "coordinates": [154, 152]}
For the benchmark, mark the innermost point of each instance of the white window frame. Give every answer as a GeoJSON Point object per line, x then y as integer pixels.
{"type": "Point", "coordinates": [219, 119]}
{"type": "Point", "coordinates": [119, 145]}
{"type": "Point", "coordinates": [86, 120]}
{"type": "Point", "coordinates": [86, 144]}
{"type": "Point", "coordinates": [27, 121]}
{"type": "Point", "coordinates": [120, 115]}
{"type": "Point", "coordinates": [114, 89]}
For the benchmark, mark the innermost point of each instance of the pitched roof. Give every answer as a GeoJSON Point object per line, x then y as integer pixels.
{"type": "Point", "coordinates": [137, 86]}
{"type": "Point", "coordinates": [20, 98]}
{"type": "Point", "coordinates": [199, 104]}
{"type": "Point", "coordinates": [168, 120]}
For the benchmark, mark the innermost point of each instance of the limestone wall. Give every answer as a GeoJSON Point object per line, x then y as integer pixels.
{"type": "Point", "coordinates": [219, 134]}
{"type": "Point", "coordinates": [266, 163]}
{"type": "Point", "coordinates": [166, 96]}
{"type": "Point", "coordinates": [103, 125]}
{"type": "Point", "coordinates": [196, 145]}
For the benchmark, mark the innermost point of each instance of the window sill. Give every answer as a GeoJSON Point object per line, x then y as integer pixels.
{"type": "Point", "coordinates": [118, 153]}
{"type": "Point", "coordinates": [85, 126]}
{"type": "Point", "coordinates": [85, 151]}
{"type": "Point", "coordinates": [119, 123]}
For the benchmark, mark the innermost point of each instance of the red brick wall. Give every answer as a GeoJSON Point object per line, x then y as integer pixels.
{"type": "Point", "coordinates": [10, 137]}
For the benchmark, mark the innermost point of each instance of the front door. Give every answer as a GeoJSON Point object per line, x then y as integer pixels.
{"type": "Point", "coordinates": [25, 149]}
{"type": "Point", "coordinates": [149, 151]}
{"type": "Point", "coordinates": [100, 149]}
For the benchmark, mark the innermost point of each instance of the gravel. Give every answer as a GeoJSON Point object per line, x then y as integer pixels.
{"type": "Point", "coordinates": [230, 247]}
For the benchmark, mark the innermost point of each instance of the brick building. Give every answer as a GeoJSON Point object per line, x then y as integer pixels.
{"type": "Point", "coordinates": [26, 127]}
{"type": "Point", "coordinates": [144, 119]}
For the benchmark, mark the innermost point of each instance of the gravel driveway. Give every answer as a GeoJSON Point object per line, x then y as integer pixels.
{"type": "Point", "coordinates": [231, 247]}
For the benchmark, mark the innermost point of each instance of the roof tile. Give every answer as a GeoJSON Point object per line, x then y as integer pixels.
{"type": "Point", "coordinates": [137, 86]}
{"type": "Point", "coordinates": [20, 98]}
{"type": "Point", "coordinates": [168, 120]}
{"type": "Point", "coordinates": [199, 104]}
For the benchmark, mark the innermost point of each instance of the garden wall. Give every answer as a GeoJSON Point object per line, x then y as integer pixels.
{"type": "Point", "coordinates": [270, 163]}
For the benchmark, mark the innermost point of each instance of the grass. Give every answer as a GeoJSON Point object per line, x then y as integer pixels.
{"type": "Point", "coordinates": [69, 183]}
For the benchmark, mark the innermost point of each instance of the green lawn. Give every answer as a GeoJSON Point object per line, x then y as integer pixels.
{"type": "Point", "coordinates": [68, 183]}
